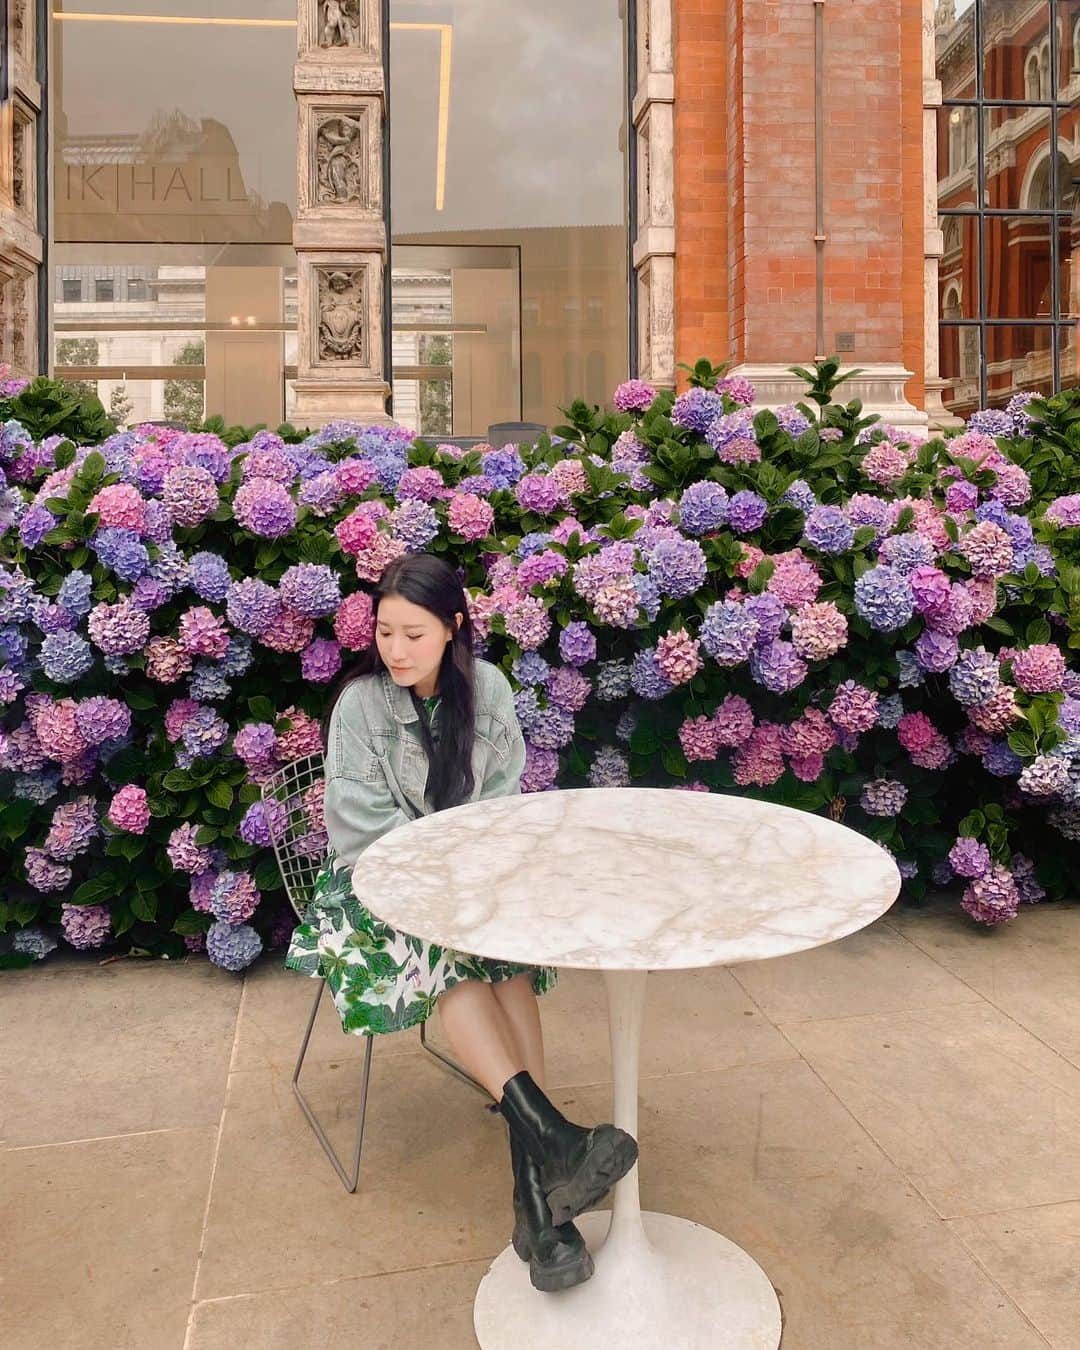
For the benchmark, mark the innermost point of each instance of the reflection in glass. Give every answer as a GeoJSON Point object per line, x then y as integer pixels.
{"type": "Point", "coordinates": [956, 148]}
{"type": "Point", "coordinates": [960, 356]}
{"type": "Point", "coordinates": [1017, 260]}
{"type": "Point", "coordinates": [958, 270]}
{"type": "Point", "coordinates": [1016, 50]}
{"type": "Point", "coordinates": [486, 156]}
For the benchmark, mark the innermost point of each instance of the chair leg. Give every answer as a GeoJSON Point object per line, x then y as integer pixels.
{"type": "Point", "coordinates": [451, 1064]}
{"type": "Point", "coordinates": [349, 1182]}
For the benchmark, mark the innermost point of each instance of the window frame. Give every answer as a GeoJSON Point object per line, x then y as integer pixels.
{"type": "Point", "coordinates": [1055, 215]}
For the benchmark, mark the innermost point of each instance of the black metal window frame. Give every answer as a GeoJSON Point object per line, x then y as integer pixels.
{"type": "Point", "coordinates": [1055, 214]}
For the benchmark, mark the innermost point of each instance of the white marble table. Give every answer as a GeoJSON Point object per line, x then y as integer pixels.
{"type": "Point", "coordinates": [627, 881]}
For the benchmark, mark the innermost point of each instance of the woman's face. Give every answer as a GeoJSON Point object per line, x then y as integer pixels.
{"type": "Point", "coordinates": [411, 641]}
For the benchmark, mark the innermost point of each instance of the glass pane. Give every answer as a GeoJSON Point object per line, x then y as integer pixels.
{"type": "Point", "coordinates": [161, 134]}
{"type": "Point", "coordinates": [954, 38]}
{"type": "Point", "coordinates": [1016, 49]}
{"type": "Point", "coordinates": [1017, 262]}
{"type": "Point", "coordinates": [958, 271]}
{"type": "Point", "coordinates": [1069, 50]}
{"type": "Point", "coordinates": [1017, 160]}
{"type": "Point", "coordinates": [485, 153]}
{"type": "Point", "coordinates": [1069, 356]}
{"type": "Point", "coordinates": [959, 364]}
{"type": "Point", "coordinates": [232, 323]}
{"type": "Point", "coordinates": [956, 146]}
{"type": "Point", "coordinates": [1018, 360]}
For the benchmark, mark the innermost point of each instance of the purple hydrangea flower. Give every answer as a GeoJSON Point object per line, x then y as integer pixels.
{"type": "Point", "coordinates": [311, 589]}
{"type": "Point", "coordinates": [697, 409]}
{"type": "Point", "coordinates": [531, 668]}
{"type": "Point", "coordinates": [678, 567]}
{"type": "Point", "coordinates": [778, 666]}
{"type": "Point", "coordinates": [101, 719]}
{"type": "Point", "coordinates": [252, 605]}
{"type": "Point", "coordinates": [502, 467]}
{"type": "Point", "coordinates": [208, 575]}
{"type": "Point", "coordinates": [969, 858]}
{"type": "Point", "coordinates": [320, 661]}
{"type": "Point", "coordinates": [703, 507]}
{"type": "Point", "coordinates": [800, 495]}
{"type": "Point", "coordinates": [65, 657]}
{"type": "Point", "coordinates": [883, 797]}
{"type": "Point", "coordinates": [884, 598]}
{"type": "Point", "coordinates": [233, 947]}
{"type": "Point", "coordinates": [646, 677]}
{"type": "Point", "coordinates": [827, 529]}
{"type": "Point", "coordinates": [122, 551]}
{"type": "Point", "coordinates": [936, 652]}
{"type": "Point", "coordinates": [74, 593]}
{"type": "Point", "coordinates": [577, 644]}
{"type": "Point", "coordinates": [610, 768]}
{"type": "Point", "coordinates": [747, 511]}
{"type": "Point", "coordinates": [770, 612]}
{"type": "Point", "coordinates": [728, 632]}
{"type": "Point", "coordinates": [992, 898]}
{"type": "Point", "coordinates": [34, 525]}
{"type": "Point", "coordinates": [634, 396]}
{"type": "Point", "coordinates": [974, 677]}
{"type": "Point", "coordinates": [85, 926]}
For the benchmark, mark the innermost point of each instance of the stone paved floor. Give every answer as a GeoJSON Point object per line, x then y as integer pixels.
{"type": "Point", "coordinates": [889, 1125]}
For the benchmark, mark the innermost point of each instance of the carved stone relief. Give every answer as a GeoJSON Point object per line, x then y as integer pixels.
{"type": "Point", "coordinates": [342, 23]}
{"type": "Point", "coordinates": [18, 164]}
{"type": "Point", "coordinates": [341, 314]}
{"type": "Point", "coordinates": [20, 322]}
{"type": "Point", "coordinates": [19, 28]}
{"type": "Point", "coordinates": [341, 160]}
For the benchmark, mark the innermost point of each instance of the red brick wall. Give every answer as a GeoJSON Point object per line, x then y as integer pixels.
{"type": "Point", "coordinates": [703, 125]}
{"type": "Point", "coordinates": [744, 130]}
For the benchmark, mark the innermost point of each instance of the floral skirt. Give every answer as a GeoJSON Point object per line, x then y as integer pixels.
{"type": "Point", "coordinates": [382, 980]}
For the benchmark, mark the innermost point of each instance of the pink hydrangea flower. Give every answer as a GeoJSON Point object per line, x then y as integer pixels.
{"type": "Point", "coordinates": [203, 633]}
{"type": "Point", "coordinates": [998, 713]}
{"type": "Point", "coordinates": [470, 516]}
{"type": "Point", "coordinates": [129, 810]}
{"type": "Point", "coordinates": [120, 505]}
{"type": "Point", "coordinates": [371, 562]}
{"type": "Point", "coordinates": [734, 721]}
{"type": "Point", "coordinates": [290, 632]}
{"type": "Point", "coordinates": [354, 623]}
{"type": "Point", "coordinates": [678, 656]}
{"type": "Point", "coordinates": [699, 738]}
{"type": "Point", "coordinates": [304, 736]}
{"type": "Point", "coordinates": [167, 660]}
{"type": "Point", "coordinates": [1040, 669]}
{"type": "Point", "coordinates": [818, 631]}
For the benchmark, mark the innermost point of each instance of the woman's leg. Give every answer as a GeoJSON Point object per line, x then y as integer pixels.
{"type": "Point", "coordinates": [522, 1011]}
{"type": "Point", "coordinates": [480, 1035]}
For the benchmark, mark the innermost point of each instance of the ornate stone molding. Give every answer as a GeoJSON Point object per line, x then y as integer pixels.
{"type": "Point", "coordinates": [653, 114]}
{"type": "Point", "coordinates": [880, 388]}
{"type": "Point", "coordinates": [338, 81]}
{"type": "Point", "coordinates": [21, 245]}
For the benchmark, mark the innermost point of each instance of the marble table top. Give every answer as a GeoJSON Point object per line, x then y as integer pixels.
{"type": "Point", "coordinates": [626, 879]}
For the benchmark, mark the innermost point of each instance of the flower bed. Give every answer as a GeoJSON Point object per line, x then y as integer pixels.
{"type": "Point", "coordinates": [801, 606]}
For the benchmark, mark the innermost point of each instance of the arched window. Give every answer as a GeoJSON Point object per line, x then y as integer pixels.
{"type": "Point", "coordinates": [950, 304]}
{"type": "Point", "coordinates": [1032, 81]}
{"type": "Point", "coordinates": [1044, 70]}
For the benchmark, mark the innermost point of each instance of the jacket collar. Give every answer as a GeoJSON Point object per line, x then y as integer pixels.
{"type": "Point", "coordinates": [398, 700]}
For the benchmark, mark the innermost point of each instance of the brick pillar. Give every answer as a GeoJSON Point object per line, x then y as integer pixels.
{"type": "Point", "coordinates": [746, 261]}
{"type": "Point", "coordinates": [21, 245]}
{"type": "Point", "coordinates": [340, 235]}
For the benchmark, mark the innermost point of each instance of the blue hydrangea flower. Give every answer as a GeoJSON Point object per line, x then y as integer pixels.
{"type": "Point", "coordinates": [612, 681]}
{"type": "Point", "coordinates": [233, 947]}
{"type": "Point", "coordinates": [703, 507]}
{"type": "Point", "coordinates": [884, 598]}
{"type": "Point", "coordinates": [646, 677]}
{"type": "Point", "coordinates": [800, 495]}
{"type": "Point", "coordinates": [678, 567]}
{"type": "Point", "coordinates": [827, 529]}
{"type": "Point", "coordinates": [504, 467]}
{"type": "Point", "coordinates": [728, 632]}
{"type": "Point", "coordinates": [209, 576]}
{"type": "Point", "coordinates": [530, 668]}
{"type": "Point", "coordinates": [122, 551]}
{"type": "Point", "coordinates": [532, 543]}
{"type": "Point", "coordinates": [974, 677]}
{"type": "Point", "coordinates": [66, 657]}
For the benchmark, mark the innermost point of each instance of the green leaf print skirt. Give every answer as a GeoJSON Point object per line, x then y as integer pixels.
{"type": "Point", "coordinates": [382, 980]}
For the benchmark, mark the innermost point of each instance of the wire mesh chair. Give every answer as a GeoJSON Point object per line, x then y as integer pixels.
{"type": "Point", "coordinates": [293, 804]}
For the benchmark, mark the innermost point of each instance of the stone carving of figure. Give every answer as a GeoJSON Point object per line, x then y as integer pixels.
{"type": "Point", "coordinates": [340, 166]}
{"type": "Point", "coordinates": [341, 318]}
{"type": "Point", "coordinates": [339, 29]}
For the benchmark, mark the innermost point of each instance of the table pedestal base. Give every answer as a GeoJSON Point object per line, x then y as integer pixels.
{"type": "Point", "coordinates": [663, 1284]}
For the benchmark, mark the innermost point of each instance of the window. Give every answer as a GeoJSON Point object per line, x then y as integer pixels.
{"type": "Point", "coordinates": [1006, 289]}
{"type": "Point", "coordinates": [71, 290]}
{"type": "Point", "coordinates": [518, 195]}
{"type": "Point", "coordinates": [103, 290]}
{"type": "Point", "coordinates": [137, 288]}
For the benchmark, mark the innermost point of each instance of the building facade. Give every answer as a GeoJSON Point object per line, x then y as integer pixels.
{"type": "Point", "coordinates": [469, 212]}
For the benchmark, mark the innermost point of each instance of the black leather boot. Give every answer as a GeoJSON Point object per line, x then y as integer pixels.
{"type": "Point", "coordinates": [557, 1257]}
{"type": "Point", "coordinates": [578, 1166]}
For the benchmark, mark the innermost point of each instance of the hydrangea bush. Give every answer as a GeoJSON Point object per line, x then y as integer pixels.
{"type": "Point", "coordinates": [803, 606]}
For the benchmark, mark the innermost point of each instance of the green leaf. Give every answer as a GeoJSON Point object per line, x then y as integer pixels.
{"type": "Point", "coordinates": [262, 709]}
{"type": "Point", "coordinates": [176, 780]}
{"type": "Point", "coordinates": [139, 702]}
{"type": "Point", "coordinates": [98, 890]}
{"type": "Point", "coordinates": [1037, 631]}
{"type": "Point", "coordinates": [144, 906]}
{"type": "Point", "coordinates": [220, 795]}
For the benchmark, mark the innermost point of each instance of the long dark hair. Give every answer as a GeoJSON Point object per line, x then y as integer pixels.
{"type": "Point", "coordinates": [432, 584]}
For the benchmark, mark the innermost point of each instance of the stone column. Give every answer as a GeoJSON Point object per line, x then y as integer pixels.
{"type": "Point", "coordinates": [21, 245]}
{"type": "Point", "coordinates": [934, 245]}
{"type": "Point", "coordinates": [654, 208]}
{"type": "Point", "coordinates": [340, 231]}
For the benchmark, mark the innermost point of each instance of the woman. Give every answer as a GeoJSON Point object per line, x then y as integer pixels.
{"type": "Point", "coordinates": [416, 726]}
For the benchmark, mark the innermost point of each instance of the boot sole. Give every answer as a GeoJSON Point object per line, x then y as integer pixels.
{"type": "Point", "coordinates": [551, 1279]}
{"type": "Point", "coordinates": [607, 1162]}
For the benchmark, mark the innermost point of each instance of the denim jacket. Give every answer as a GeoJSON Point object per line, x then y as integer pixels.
{"type": "Point", "coordinates": [376, 767]}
